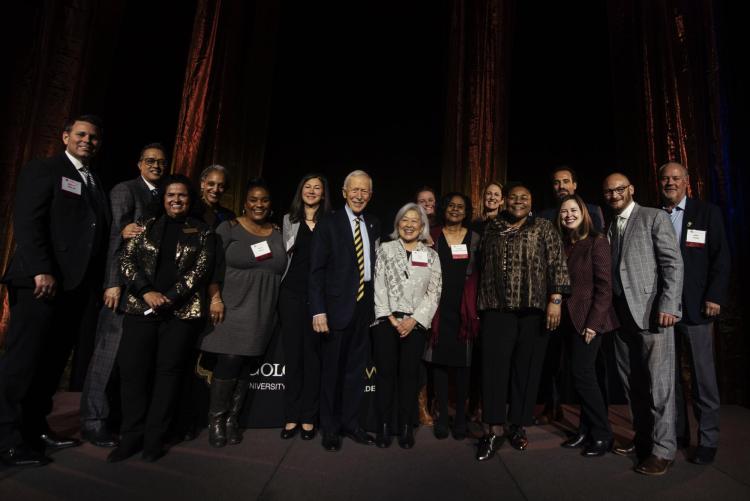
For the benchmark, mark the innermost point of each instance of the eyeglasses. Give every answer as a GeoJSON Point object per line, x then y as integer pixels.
{"type": "Point", "coordinates": [161, 162]}
{"type": "Point", "coordinates": [619, 190]}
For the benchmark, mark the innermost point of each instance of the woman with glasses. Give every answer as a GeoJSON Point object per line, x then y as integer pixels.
{"type": "Point", "coordinates": [407, 292]}
{"type": "Point", "coordinates": [455, 325]}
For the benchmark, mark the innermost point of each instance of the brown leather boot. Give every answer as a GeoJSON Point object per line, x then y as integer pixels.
{"type": "Point", "coordinates": [425, 418]}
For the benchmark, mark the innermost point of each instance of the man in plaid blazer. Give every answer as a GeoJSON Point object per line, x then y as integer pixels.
{"type": "Point", "coordinates": [647, 275]}
{"type": "Point", "coordinates": [129, 200]}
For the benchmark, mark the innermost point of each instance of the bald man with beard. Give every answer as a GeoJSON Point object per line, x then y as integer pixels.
{"type": "Point", "coordinates": [647, 275]}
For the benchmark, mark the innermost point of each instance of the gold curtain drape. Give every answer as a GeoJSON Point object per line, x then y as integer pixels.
{"type": "Point", "coordinates": [475, 140]}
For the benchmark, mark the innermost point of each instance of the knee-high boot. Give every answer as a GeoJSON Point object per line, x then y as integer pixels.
{"type": "Point", "coordinates": [234, 432]}
{"type": "Point", "coordinates": [218, 409]}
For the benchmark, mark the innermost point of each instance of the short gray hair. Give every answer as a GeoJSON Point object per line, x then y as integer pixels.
{"type": "Point", "coordinates": [425, 233]}
{"type": "Point", "coordinates": [216, 168]}
{"type": "Point", "coordinates": [356, 173]}
{"type": "Point", "coordinates": [677, 164]}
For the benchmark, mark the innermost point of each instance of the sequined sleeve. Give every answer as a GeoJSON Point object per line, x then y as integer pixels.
{"type": "Point", "coordinates": [200, 273]}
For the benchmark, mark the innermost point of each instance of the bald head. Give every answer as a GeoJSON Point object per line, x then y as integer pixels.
{"type": "Point", "coordinates": [673, 183]}
{"type": "Point", "coordinates": [618, 192]}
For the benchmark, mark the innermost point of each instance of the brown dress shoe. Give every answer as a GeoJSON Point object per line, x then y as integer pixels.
{"type": "Point", "coordinates": [624, 449]}
{"type": "Point", "coordinates": [653, 466]}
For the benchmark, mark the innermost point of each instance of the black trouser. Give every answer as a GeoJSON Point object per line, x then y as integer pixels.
{"type": "Point", "coordinates": [440, 380]}
{"type": "Point", "coordinates": [152, 359]}
{"type": "Point", "coordinates": [513, 346]}
{"type": "Point", "coordinates": [302, 359]}
{"type": "Point", "coordinates": [397, 362]}
{"type": "Point", "coordinates": [40, 337]}
{"type": "Point", "coordinates": [344, 355]}
{"type": "Point", "coordinates": [594, 421]}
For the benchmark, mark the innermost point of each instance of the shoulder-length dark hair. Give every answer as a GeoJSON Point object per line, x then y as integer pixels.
{"type": "Point", "coordinates": [297, 207]}
{"type": "Point", "coordinates": [157, 208]}
{"type": "Point", "coordinates": [446, 199]}
{"type": "Point", "coordinates": [585, 229]}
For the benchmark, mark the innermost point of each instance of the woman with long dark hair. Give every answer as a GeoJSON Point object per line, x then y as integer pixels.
{"type": "Point", "coordinates": [165, 269]}
{"type": "Point", "coordinates": [587, 314]}
{"type": "Point", "coordinates": [255, 260]}
{"type": "Point", "coordinates": [301, 343]}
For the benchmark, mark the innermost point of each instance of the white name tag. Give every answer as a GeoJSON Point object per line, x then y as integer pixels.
{"type": "Point", "coordinates": [419, 258]}
{"type": "Point", "coordinates": [460, 251]}
{"type": "Point", "coordinates": [695, 238]}
{"type": "Point", "coordinates": [71, 185]}
{"type": "Point", "coordinates": [261, 250]}
{"type": "Point", "coordinates": [290, 243]}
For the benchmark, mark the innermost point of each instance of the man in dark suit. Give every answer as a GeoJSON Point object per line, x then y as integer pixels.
{"type": "Point", "coordinates": [564, 183]}
{"type": "Point", "coordinates": [342, 264]}
{"type": "Point", "coordinates": [647, 275]}
{"type": "Point", "coordinates": [129, 201]}
{"type": "Point", "coordinates": [705, 252]}
{"type": "Point", "coordinates": [61, 223]}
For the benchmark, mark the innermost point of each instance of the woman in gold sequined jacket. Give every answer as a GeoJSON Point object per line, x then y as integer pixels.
{"type": "Point", "coordinates": [523, 277]}
{"type": "Point", "coordinates": [165, 270]}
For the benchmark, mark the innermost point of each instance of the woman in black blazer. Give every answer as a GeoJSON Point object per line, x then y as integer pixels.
{"type": "Point", "coordinates": [587, 314]}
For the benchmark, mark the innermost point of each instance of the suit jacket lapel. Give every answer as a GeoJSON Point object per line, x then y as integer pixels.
{"type": "Point", "coordinates": [629, 229]}
{"type": "Point", "coordinates": [687, 220]}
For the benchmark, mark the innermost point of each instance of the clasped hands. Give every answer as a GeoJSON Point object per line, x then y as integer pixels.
{"type": "Point", "coordinates": [403, 326]}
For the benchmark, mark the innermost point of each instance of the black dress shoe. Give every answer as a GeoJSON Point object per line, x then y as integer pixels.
{"type": "Point", "coordinates": [100, 438]}
{"type": "Point", "coordinates": [383, 438]}
{"type": "Point", "coordinates": [624, 449]}
{"type": "Point", "coordinates": [596, 448]}
{"type": "Point", "coordinates": [52, 440]}
{"type": "Point", "coordinates": [406, 437]}
{"type": "Point", "coordinates": [360, 436]}
{"type": "Point", "coordinates": [307, 434]}
{"type": "Point", "coordinates": [575, 442]}
{"type": "Point", "coordinates": [287, 434]}
{"type": "Point", "coordinates": [331, 442]}
{"type": "Point", "coordinates": [23, 456]}
{"type": "Point", "coordinates": [440, 431]}
{"type": "Point", "coordinates": [703, 455]}
{"type": "Point", "coordinates": [459, 433]}
{"type": "Point", "coordinates": [488, 445]}
{"type": "Point", "coordinates": [122, 453]}
{"type": "Point", "coordinates": [517, 438]}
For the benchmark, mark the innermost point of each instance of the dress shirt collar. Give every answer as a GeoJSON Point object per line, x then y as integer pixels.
{"type": "Point", "coordinates": [679, 206]}
{"type": "Point", "coordinates": [352, 215]}
{"type": "Point", "coordinates": [76, 163]}
{"type": "Point", "coordinates": [151, 187]}
{"type": "Point", "coordinates": [627, 211]}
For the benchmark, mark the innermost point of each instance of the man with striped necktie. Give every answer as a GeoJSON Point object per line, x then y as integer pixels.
{"type": "Point", "coordinates": [341, 304]}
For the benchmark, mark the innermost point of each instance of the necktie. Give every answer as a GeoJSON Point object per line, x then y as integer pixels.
{"type": "Point", "coordinates": [359, 251]}
{"type": "Point", "coordinates": [155, 193]}
{"type": "Point", "coordinates": [90, 183]}
{"type": "Point", "coordinates": [615, 240]}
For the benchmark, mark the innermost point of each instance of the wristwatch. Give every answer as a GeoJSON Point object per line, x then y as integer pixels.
{"type": "Point", "coordinates": [557, 300]}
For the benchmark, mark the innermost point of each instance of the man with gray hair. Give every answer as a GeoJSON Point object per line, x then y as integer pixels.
{"type": "Point", "coordinates": [705, 251]}
{"type": "Point", "coordinates": [342, 262]}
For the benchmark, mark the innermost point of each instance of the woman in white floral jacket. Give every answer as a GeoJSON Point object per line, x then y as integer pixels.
{"type": "Point", "coordinates": [408, 281]}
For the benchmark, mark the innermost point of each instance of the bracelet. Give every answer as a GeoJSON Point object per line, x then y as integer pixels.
{"type": "Point", "coordinates": [214, 301]}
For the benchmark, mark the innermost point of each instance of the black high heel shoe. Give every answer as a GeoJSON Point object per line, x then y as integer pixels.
{"type": "Point", "coordinates": [406, 438]}
{"type": "Point", "coordinates": [287, 434]}
{"type": "Point", "coordinates": [488, 446]}
{"type": "Point", "coordinates": [307, 434]}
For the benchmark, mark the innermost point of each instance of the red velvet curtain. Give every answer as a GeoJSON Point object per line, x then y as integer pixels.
{"type": "Point", "coordinates": [52, 75]}
{"type": "Point", "coordinates": [665, 73]}
{"type": "Point", "coordinates": [475, 145]}
{"type": "Point", "coordinates": [227, 89]}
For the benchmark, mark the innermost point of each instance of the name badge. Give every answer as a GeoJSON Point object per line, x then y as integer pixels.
{"type": "Point", "coordinates": [419, 258]}
{"type": "Point", "coordinates": [261, 251]}
{"type": "Point", "coordinates": [190, 230]}
{"type": "Point", "coordinates": [460, 251]}
{"type": "Point", "coordinates": [290, 243]}
{"type": "Point", "coordinates": [695, 238]}
{"type": "Point", "coordinates": [71, 186]}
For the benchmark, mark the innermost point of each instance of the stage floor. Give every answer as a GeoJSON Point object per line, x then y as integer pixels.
{"type": "Point", "coordinates": [266, 467]}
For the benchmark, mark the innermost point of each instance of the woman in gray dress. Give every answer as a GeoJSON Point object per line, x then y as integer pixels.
{"type": "Point", "coordinates": [255, 260]}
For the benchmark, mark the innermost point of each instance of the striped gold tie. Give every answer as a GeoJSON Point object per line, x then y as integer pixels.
{"type": "Point", "coordinates": [359, 250]}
